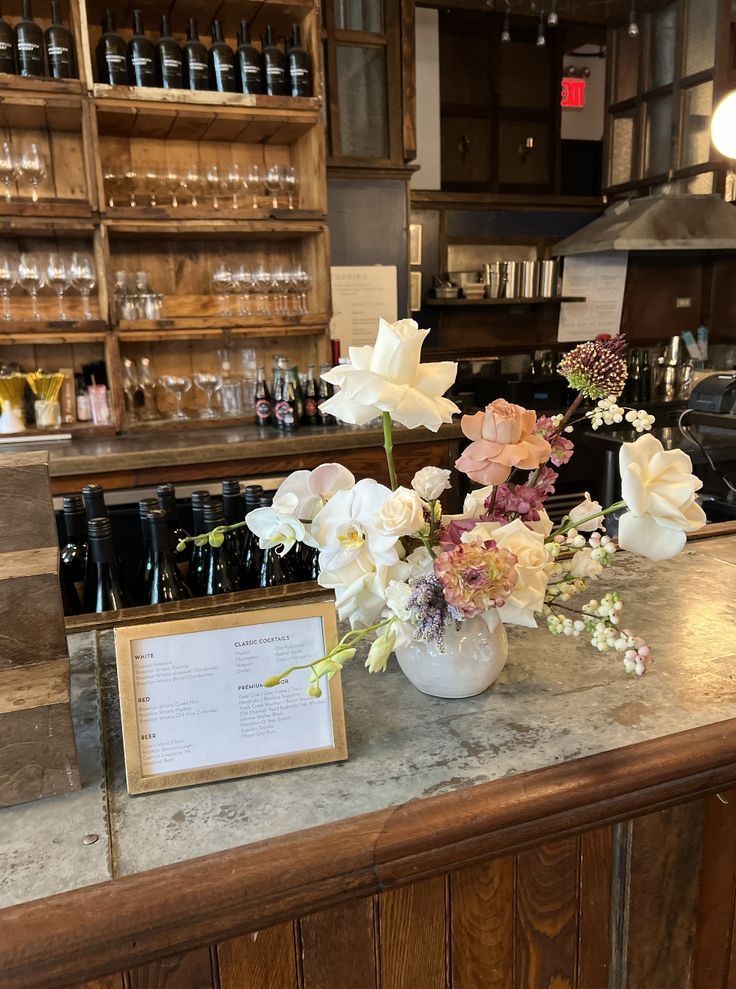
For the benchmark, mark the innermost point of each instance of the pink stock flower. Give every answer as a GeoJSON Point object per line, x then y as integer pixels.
{"type": "Point", "coordinates": [503, 437]}
{"type": "Point", "coordinates": [521, 500]}
{"type": "Point", "coordinates": [476, 577]}
{"type": "Point", "coordinates": [562, 448]}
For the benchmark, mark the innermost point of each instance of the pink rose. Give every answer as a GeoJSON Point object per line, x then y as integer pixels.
{"type": "Point", "coordinates": [503, 437]}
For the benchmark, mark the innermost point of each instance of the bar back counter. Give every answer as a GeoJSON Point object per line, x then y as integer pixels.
{"type": "Point", "coordinates": [571, 827]}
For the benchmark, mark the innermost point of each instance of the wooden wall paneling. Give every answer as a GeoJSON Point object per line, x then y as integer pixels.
{"type": "Point", "coordinates": [714, 950]}
{"type": "Point", "coordinates": [191, 970]}
{"type": "Point", "coordinates": [482, 925]}
{"type": "Point", "coordinates": [262, 960]}
{"type": "Point", "coordinates": [666, 852]}
{"type": "Point", "coordinates": [104, 982]}
{"type": "Point", "coordinates": [594, 927]}
{"type": "Point", "coordinates": [547, 885]}
{"type": "Point", "coordinates": [412, 936]}
{"type": "Point", "coordinates": [78, 20]}
{"type": "Point", "coordinates": [338, 946]}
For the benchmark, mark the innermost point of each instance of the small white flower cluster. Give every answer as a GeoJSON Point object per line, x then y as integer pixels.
{"type": "Point", "coordinates": [565, 626]}
{"type": "Point", "coordinates": [603, 548]}
{"type": "Point", "coordinates": [608, 413]}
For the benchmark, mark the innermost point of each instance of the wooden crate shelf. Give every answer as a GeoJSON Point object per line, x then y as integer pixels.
{"type": "Point", "coordinates": [46, 210]}
{"type": "Point", "coordinates": [166, 330]}
{"type": "Point", "coordinates": [236, 229]}
{"type": "Point", "coordinates": [75, 329]}
{"type": "Point", "coordinates": [12, 86]}
{"type": "Point", "coordinates": [121, 216]}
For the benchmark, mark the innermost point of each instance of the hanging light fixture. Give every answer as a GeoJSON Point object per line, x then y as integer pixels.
{"type": "Point", "coordinates": [723, 126]}
{"type": "Point", "coordinates": [541, 36]}
{"type": "Point", "coordinates": [553, 17]}
{"type": "Point", "coordinates": [633, 23]}
{"type": "Point", "coordinates": [506, 33]}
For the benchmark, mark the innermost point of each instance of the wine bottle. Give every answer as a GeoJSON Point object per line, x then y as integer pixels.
{"type": "Point", "coordinates": [141, 55]}
{"type": "Point", "coordinates": [324, 391]}
{"type": "Point", "coordinates": [166, 583]}
{"type": "Point", "coordinates": [70, 603]}
{"type": "Point", "coordinates": [59, 47]}
{"type": "Point", "coordinates": [169, 71]}
{"type": "Point", "coordinates": [263, 408]}
{"type": "Point", "coordinates": [28, 39]}
{"type": "Point", "coordinates": [196, 574]}
{"type": "Point", "coordinates": [250, 552]}
{"type": "Point", "coordinates": [73, 566]}
{"type": "Point", "coordinates": [93, 496]}
{"type": "Point", "coordinates": [194, 59]}
{"type": "Point", "coordinates": [104, 589]}
{"type": "Point", "coordinates": [311, 411]}
{"type": "Point", "coordinates": [233, 505]}
{"type": "Point", "coordinates": [250, 75]}
{"type": "Point", "coordinates": [286, 402]}
{"type": "Point", "coordinates": [111, 55]}
{"type": "Point", "coordinates": [274, 66]}
{"type": "Point", "coordinates": [7, 47]}
{"type": "Point", "coordinates": [166, 494]}
{"type": "Point", "coordinates": [300, 66]}
{"type": "Point", "coordinates": [220, 576]}
{"type": "Point", "coordinates": [221, 62]}
{"type": "Point", "coordinates": [145, 563]}
{"type": "Point", "coordinates": [273, 569]}
{"type": "Point", "coordinates": [645, 382]}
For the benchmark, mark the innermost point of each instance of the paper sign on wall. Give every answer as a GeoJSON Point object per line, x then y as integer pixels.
{"type": "Point", "coordinates": [361, 295]}
{"type": "Point", "coordinates": [601, 280]}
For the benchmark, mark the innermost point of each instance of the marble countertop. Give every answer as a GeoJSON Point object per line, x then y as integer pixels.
{"type": "Point", "coordinates": [556, 701]}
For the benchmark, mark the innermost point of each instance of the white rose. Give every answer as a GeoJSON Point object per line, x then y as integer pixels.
{"type": "Point", "coordinates": [430, 482]}
{"type": "Point", "coordinates": [397, 600]}
{"type": "Point", "coordinates": [421, 562]}
{"type": "Point", "coordinates": [276, 525]}
{"type": "Point", "coordinates": [587, 515]}
{"type": "Point", "coordinates": [402, 514]}
{"type": "Point", "coordinates": [475, 503]}
{"type": "Point", "coordinates": [360, 589]}
{"type": "Point", "coordinates": [389, 377]}
{"type": "Point", "coordinates": [583, 565]}
{"type": "Point", "coordinates": [527, 596]}
{"type": "Point", "coordinates": [659, 488]}
{"type": "Point", "coordinates": [380, 650]}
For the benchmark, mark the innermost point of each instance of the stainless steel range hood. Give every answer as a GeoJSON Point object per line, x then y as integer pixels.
{"type": "Point", "coordinates": [665, 222]}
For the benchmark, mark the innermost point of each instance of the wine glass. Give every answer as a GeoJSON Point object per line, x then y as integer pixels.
{"type": "Point", "coordinates": [177, 386]}
{"type": "Point", "coordinates": [152, 182]}
{"type": "Point", "coordinates": [8, 277]}
{"type": "Point", "coordinates": [223, 284]}
{"type": "Point", "coordinates": [110, 179]}
{"type": "Point", "coordinates": [147, 383]}
{"type": "Point", "coordinates": [243, 280]}
{"type": "Point", "coordinates": [274, 184]}
{"type": "Point", "coordinates": [32, 166]}
{"type": "Point", "coordinates": [8, 168]}
{"type": "Point", "coordinates": [301, 282]}
{"type": "Point", "coordinates": [193, 182]}
{"type": "Point", "coordinates": [212, 178]}
{"type": "Point", "coordinates": [280, 287]}
{"type": "Point", "coordinates": [262, 282]}
{"type": "Point", "coordinates": [30, 279]}
{"type": "Point", "coordinates": [58, 277]}
{"type": "Point", "coordinates": [232, 181]}
{"type": "Point", "coordinates": [209, 384]}
{"type": "Point", "coordinates": [84, 279]}
{"type": "Point", "coordinates": [253, 182]}
{"type": "Point", "coordinates": [130, 181]}
{"type": "Point", "coordinates": [289, 182]}
{"type": "Point", "coordinates": [171, 182]}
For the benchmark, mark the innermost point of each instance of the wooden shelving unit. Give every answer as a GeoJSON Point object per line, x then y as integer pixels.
{"type": "Point", "coordinates": [83, 126]}
{"type": "Point", "coordinates": [542, 301]}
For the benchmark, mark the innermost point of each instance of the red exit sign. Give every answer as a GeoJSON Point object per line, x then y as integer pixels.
{"type": "Point", "coordinates": [573, 93]}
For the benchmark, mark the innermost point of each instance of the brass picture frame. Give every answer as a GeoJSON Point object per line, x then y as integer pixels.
{"type": "Point", "coordinates": [140, 780]}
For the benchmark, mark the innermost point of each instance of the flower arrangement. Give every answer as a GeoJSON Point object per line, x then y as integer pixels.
{"type": "Point", "coordinates": [405, 573]}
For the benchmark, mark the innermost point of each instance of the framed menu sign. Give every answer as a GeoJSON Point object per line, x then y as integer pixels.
{"type": "Point", "coordinates": [194, 708]}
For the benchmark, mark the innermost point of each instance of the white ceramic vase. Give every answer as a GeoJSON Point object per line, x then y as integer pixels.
{"type": "Point", "coordinates": [472, 660]}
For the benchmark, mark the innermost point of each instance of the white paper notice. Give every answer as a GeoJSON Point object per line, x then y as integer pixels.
{"type": "Point", "coordinates": [360, 297]}
{"type": "Point", "coordinates": [601, 280]}
{"type": "Point", "coordinates": [200, 702]}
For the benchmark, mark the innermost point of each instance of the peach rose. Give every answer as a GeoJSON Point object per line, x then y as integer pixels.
{"type": "Point", "coordinates": [502, 439]}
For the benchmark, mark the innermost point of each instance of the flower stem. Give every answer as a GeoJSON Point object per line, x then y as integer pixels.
{"type": "Point", "coordinates": [565, 421]}
{"type": "Point", "coordinates": [388, 445]}
{"type": "Point", "coordinates": [566, 526]}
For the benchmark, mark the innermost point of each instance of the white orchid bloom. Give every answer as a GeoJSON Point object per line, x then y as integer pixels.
{"type": "Point", "coordinates": [345, 530]}
{"type": "Point", "coordinates": [277, 525]}
{"type": "Point", "coordinates": [314, 488]}
{"type": "Point", "coordinates": [584, 511]}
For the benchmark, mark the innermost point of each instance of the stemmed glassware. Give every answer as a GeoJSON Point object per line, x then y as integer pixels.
{"type": "Point", "coordinates": [280, 280]}
{"type": "Point", "coordinates": [58, 277]}
{"type": "Point", "coordinates": [253, 182]}
{"type": "Point", "coordinates": [232, 182]}
{"type": "Point", "coordinates": [243, 282]}
{"type": "Point", "coordinates": [262, 282]}
{"type": "Point", "coordinates": [84, 279]}
{"type": "Point", "coordinates": [274, 184]}
{"type": "Point", "coordinates": [193, 182]}
{"type": "Point", "coordinates": [289, 182]}
{"type": "Point", "coordinates": [171, 182]}
{"type": "Point", "coordinates": [223, 284]}
{"type": "Point", "coordinates": [209, 384]}
{"type": "Point", "coordinates": [8, 170]}
{"type": "Point", "coordinates": [30, 279]}
{"type": "Point", "coordinates": [8, 276]}
{"type": "Point", "coordinates": [301, 281]}
{"type": "Point", "coordinates": [147, 384]}
{"type": "Point", "coordinates": [32, 166]}
{"type": "Point", "coordinates": [212, 178]}
{"type": "Point", "coordinates": [178, 386]}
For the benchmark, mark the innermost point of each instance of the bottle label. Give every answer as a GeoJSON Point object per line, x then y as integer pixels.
{"type": "Point", "coordinates": [252, 70]}
{"type": "Point", "coordinates": [296, 73]}
{"type": "Point", "coordinates": [113, 60]}
{"type": "Point", "coordinates": [5, 46]}
{"type": "Point", "coordinates": [140, 61]}
{"type": "Point", "coordinates": [310, 406]}
{"type": "Point", "coordinates": [284, 412]}
{"type": "Point", "coordinates": [171, 63]}
{"type": "Point", "coordinates": [263, 410]}
{"type": "Point", "coordinates": [58, 50]}
{"type": "Point", "coordinates": [27, 46]}
{"type": "Point", "coordinates": [275, 71]}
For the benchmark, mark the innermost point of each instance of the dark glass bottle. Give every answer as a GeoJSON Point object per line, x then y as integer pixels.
{"type": "Point", "coordinates": [286, 412]}
{"type": "Point", "coordinates": [645, 382]}
{"type": "Point", "coordinates": [70, 602]}
{"type": "Point", "coordinates": [273, 569]}
{"type": "Point", "coordinates": [93, 496]}
{"type": "Point", "coordinates": [7, 47]}
{"type": "Point", "coordinates": [220, 574]}
{"type": "Point", "coordinates": [166, 583]}
{"type": "Point", "coordinates": [306, 562]}
{"type": "Point", "coordinates": [111, 54]}
{"type": "Point", "coordinates": [311, 411]}
{"type": "Point", "coordinates": [166, 494]}
{"type": "Point", "coordinates": [221, 62]}
{"type": "Point", "coordinates": [194, 60]}
{"type": "Point", "coordinates": [300, 66]}
{"type": "Point", "coordinates": [169, 71]}
{"type": "Point", "coordinates": [250, 552]}
{"type": "Point", "coordinates": [324, 391]}
{"type": "Point", "coordinates": [28, 40]}
{"type": "Point", "coordinates": [234, 507]}
{"type": "Point", "coordinates": [274, 66]}
{"type": "Point", "coordinates": [145, 563]}
{"type": "Point", "coordinates": [104, 589]}
{"type": "Point", "coordinates": [74, 553]}
{"type": "Point", "coordinates": [262, 399]}
{"type": "Point", "coordinates": [141, 55]}
{"type": "Point", "coordinates": [196, 574]}
{"type": "Point", "coordinates": [59, 47]}
{"type": "Point", "coordinates": [248, 59]}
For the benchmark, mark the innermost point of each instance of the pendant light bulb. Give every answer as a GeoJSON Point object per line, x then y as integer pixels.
{"type": "Point", "coordinates": [541, 37]}
{"type": "Point", "coordinates": [506, 33]}
{"type": "Point", "coordinates": [633, 23]}
{"type": "Point", "coordinates": [553, 18]}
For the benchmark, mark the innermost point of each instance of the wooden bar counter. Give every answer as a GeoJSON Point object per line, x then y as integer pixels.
{"type": "Point", "coordinates": [571, 827]}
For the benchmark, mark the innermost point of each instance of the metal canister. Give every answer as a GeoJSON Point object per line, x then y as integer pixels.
{"type": "Point", "coordinates": [509, 280]}
{"type": "Point", "coordinates": [548, 278]}
{"type": "Point", "coordinates": [529, 279]}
